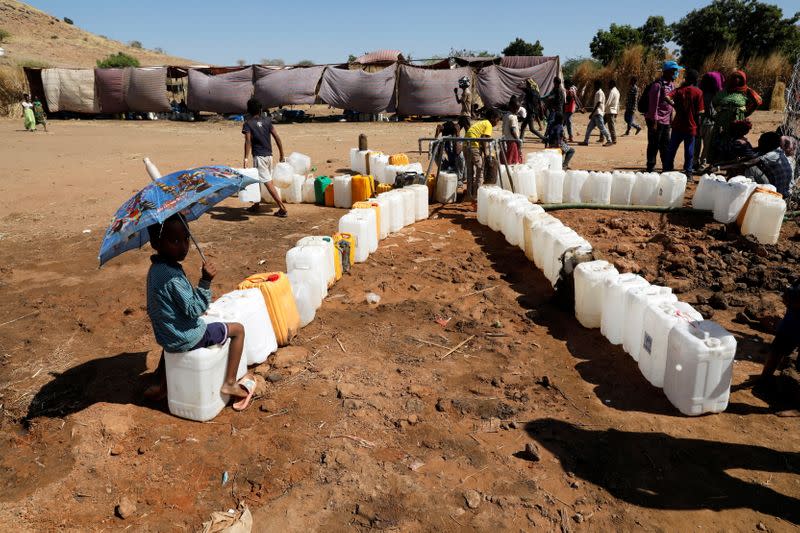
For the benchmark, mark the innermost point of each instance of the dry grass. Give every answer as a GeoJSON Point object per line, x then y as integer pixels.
{"type": "Point", "coordinates": [12, 86]}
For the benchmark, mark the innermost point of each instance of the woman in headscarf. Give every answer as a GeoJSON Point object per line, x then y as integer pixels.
{"type": "Point", "coordinates": [29, 119]}
{"type": "Point", "coordinates": [711, 83]}
{"type": "Point", "coordinates": [735, 103]}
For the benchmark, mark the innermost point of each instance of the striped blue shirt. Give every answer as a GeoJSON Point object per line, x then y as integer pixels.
{"type": "Point", "coordinates": [174, 305]}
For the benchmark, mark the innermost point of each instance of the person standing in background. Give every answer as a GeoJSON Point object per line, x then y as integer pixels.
{"type": "Point", "coordinates": [29, 120]}
{"type": "Point", "coordinates": [688, 104]}
{"type": "Point", "coordinates": [659, 114]}
{"type": "Point", "coordinates": [555, 100]}
{"type": "Point", "coordinates": [711, 83]}
{"type": "Point", "coordinates": [513, 145]}
{"type": "Point", "coordinates": [532, 100]}
{"type": "Point", "coordinates": [39, 114]}
{"type": "Point", "coordinates": [612, 110]}
{"type": "Point", "coordinates": [466, 97]}
{"type": "Point", "coordinates": [596, 117]}
{"type": "Point", "coordinates": [630, 107]}
{"type": "Point", "coordinates": [572, 104]}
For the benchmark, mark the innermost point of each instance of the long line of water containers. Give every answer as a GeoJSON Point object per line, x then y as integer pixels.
{"type": "Point", "coordinates": [690, 358]}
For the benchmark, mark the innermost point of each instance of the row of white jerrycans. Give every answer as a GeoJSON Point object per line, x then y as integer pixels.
{"type": "Point", "coordinates": [291, 178]}
{"type": "Point", "coordinates": [690, 358]}
{"type": "Point", "coordinates": [543, 237]}
{"type": "Point", "coordinates": [556, 186]}
{"type": "Point", "coordinates": [379, 167]}
{"type": "Point", "coordinates": [311, 264]}
{"type": "Point", "coordinates": [695, 374]}
{"type": "Point", "coordinates": [763, 207]}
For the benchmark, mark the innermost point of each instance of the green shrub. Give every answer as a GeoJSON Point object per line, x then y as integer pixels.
{"type": "Point", "coordinates": [4, 35]}
{"type": "Point", "coordinates": [135, 44]}
{"type": "Point", "coordinates": [118, 60]}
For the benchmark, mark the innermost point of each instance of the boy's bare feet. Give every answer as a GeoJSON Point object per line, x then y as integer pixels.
{"type": "Point", "coordinates": [233, 389]}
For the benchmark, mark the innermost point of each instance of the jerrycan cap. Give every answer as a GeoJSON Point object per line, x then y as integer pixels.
{"type": "Point", "coordinates": [713, 342]}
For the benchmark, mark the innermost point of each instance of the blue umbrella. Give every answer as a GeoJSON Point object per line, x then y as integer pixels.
{"type": "Point", "coordinates": [190, 192]}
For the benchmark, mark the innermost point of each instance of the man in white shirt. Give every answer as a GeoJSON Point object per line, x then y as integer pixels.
{"type": "Point", "coordinates": [596, 117]}
{"type": "Point", "coordinates": [612, 109]}
{"type": "Point", "coordinates": [511, 132]}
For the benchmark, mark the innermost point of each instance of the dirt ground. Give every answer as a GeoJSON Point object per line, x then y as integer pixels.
{"type": "Point", "coordinates": [369, 420]}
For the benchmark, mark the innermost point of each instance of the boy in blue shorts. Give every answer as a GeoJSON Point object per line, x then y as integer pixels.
{"type": "Point", "coordinates": [175, 306]}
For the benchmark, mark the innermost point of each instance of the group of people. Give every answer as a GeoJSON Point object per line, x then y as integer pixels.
{"type": "Point", "coordinates": [708, 116]}
{"type": "Point", "coordinates": [33, 113]}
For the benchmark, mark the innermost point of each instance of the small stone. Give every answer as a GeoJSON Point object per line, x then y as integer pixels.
{"type": "Point", "coordinates": [412, 419]}
{"type": "Point", "coordinates": [274, 377]}
{"type": "Point", "coordinates": [473, 498]}
{"type": "Point", "coordinates": [496, 382]}
{"type": "Point", "coordinates": [416, 287]}
{"type": "Point", "coordinates": [346, 390]}
{"type": "Point", "coordinates": [718, 300]}
{"type": "Point", "coordinates": [117, 449]}
{"type": "Point", "coordinates": [578, 517]}
{"type": "Point", "coordinates": [497, 324]}
{"type": "Point", "coordinates": [575, 484]}
{"type": "Point", "coordinates": [125, 508]}
{"type": "Point", "coordinates": [289, 356]}
{"type": "Point", "coordinates": [441, 405]}
{"type": "Point", "coordinates": [761, 527]}
{"type": "Point", "coordinates": [351, 403]}
{"type": "Point", "coordinates": [141, 450]}
{"type": "Point", "coordinates": [532, 452]}
{"type": "Point", "coordinates": [458, 511]}
{"type": "Point", "coordinates": [513, 425]}
{"type": "Point", "coordinates": [416, 390]}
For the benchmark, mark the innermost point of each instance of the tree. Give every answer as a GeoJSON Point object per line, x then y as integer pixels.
{"type": "Point", "coordinates": [571, 65]}
{"type": "Point", "coordinates": [757, 29]}
{"type": "Point", "coordinates": [519, 47]}
{"type": "Point", "coordinates": [135, 44]}
{"type": "Point", "coordinates": [305, 63]}
{"type": "Point", "coordinates": [241, 62]}
{"type": "Point", "coordinates": [273, 62]}
{"type": "Point", "coordinates": [465, 52]}
{"type": "Point", "coordinates": [159, 50]}
{"type": "Point", "coordinates": [655, 34]}
{"type": "Point", "coordinates": [351, 58]}
{"type": "Point", "coordinates": [4, 35]}
{"type": "Point", "coordinates": [118, 60]}
{"type": "Point", "coordinates": [607, 45]}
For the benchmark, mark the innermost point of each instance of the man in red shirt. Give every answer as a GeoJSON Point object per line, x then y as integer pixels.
{"type": "Point", "coordinates": [688, 104]}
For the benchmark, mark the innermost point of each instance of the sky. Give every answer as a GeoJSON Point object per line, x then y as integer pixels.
{"type": "Point", "coordinates": [223, 32]}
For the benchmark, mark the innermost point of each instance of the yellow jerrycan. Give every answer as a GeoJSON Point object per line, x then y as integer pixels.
{"type": "Point", "coordinates": [277, 293]}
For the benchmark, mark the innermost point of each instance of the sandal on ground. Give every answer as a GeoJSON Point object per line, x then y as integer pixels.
{"type": "Point", "coordinates": [281, 213]}
{"type": "Point", "coordinates": [248, 384]}
{"type": "Point", "coordinates": [255, 208]}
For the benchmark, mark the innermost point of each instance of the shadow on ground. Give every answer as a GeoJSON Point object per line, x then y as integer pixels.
{"type": "Point", "coordinates": [659, 471]}
{"type": "Point", "coordinates": [114, 379]}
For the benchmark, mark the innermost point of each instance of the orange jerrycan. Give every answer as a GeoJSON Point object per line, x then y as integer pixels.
{"type": "Point", "coordinates": [377, 208]}
{"type": "Point", "coordinates": [277, 293]}
{"type": "Point", "coordinates": [329, 195]}
{"type": "Point", "coordinates": [346, 245]}
{"type": "Point", "coordinates": [384, 187]}
{"type": "Point", "coordinates": [363, 187]}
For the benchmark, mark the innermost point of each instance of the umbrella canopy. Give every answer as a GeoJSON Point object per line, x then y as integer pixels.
{"type": "Point", "coordinates": [189, 192]}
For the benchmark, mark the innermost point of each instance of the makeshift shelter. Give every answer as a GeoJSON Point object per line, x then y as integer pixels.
{"type": "Point", "coordinates": [69, 90]}
{"type": "Point", "coordinates": [147, 90]}
{"type": "Point", "coordinates": [497, 84]}
{"type": "Point", "coordinates": [526, 61]}
{"type": "Point", "coordinates": [111, 84]}
{"type": "Point", "coordinates": [423, 91]}
{"type": "Point", "coordinates": [222, 93]}
{"type": "Point", "coordinates": [376, 61]}
{"type": "Point", "coordinates": [292, 86]}
{"type": "Point", "coordinates": [360, 91]}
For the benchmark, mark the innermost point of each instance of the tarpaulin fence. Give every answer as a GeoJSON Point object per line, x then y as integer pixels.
{"type": "Point", "coordinates": [407, 89]}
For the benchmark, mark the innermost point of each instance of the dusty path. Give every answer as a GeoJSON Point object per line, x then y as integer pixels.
{"type": "Point", "coordinates": [363, 423]}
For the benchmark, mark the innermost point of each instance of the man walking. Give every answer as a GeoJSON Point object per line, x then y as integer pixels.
{"type": "Point", "coordinates": [688, 104]}
{"type": "Point", "coordinates": [612, 110]}
{"type": "Point", "coordinates": [630, 107]}
{"type": "Point", "coordinates": [596, 117]}
{"type": "Point", "coordinates": [659, 114]}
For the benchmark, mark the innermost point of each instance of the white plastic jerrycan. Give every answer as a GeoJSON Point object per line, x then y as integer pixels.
{"type": "Point", "coordinates": [659, 319]}
{"type": "Point", "coordinates": [590, 286]}
{"type": "Point", "coordinates": [612, 320]}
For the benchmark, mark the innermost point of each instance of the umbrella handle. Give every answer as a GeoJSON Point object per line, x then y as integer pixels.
{"type": "Point", "coordinates": [154, 174]}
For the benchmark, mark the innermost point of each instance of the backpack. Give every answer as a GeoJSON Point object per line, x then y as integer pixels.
{"type": "Point", "coordinates": [643, 105]}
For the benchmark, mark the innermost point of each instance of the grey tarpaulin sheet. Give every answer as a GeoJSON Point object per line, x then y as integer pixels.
{"type": "Point", "coordinates": [525, 61]}
{"type": "Point", "coordinates": [147, 90]}
{"type": "Point", "coordinates": [357, 90]}
{"type": "Point", "coordinates": [422, 91]}
{"type": "Point", "coordinates": [111, 84]}
{"type": "Point", "coordinates": [293, 86]}
{"type": "Point", "coordinates": [497, 84]}
{"type": "Point", "coordinates": [69, 90]}
{"type": "Point", "coordinates": [223, 93]}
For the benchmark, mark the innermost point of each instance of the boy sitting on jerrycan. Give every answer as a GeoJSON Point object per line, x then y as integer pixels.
{"type": "Point", "coordinates": [174, 306]}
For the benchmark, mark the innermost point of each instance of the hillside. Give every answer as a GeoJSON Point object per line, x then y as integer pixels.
{"type": "Point", "coordinates": [42, 39]}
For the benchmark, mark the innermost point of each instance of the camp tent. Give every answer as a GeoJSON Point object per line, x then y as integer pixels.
{"type": "Point", "coordinates": [357, 90]}
{"type": "Point", "coordinates": [70, 90]}
{"type": "Point", "coordinates": [422, 91]}
{"type": "Point", "coordinates": [292, 86]}
{"type": "Point", "coordinates": [223, 93]}
{"type": "Point", "coordinates": [497, 84]}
